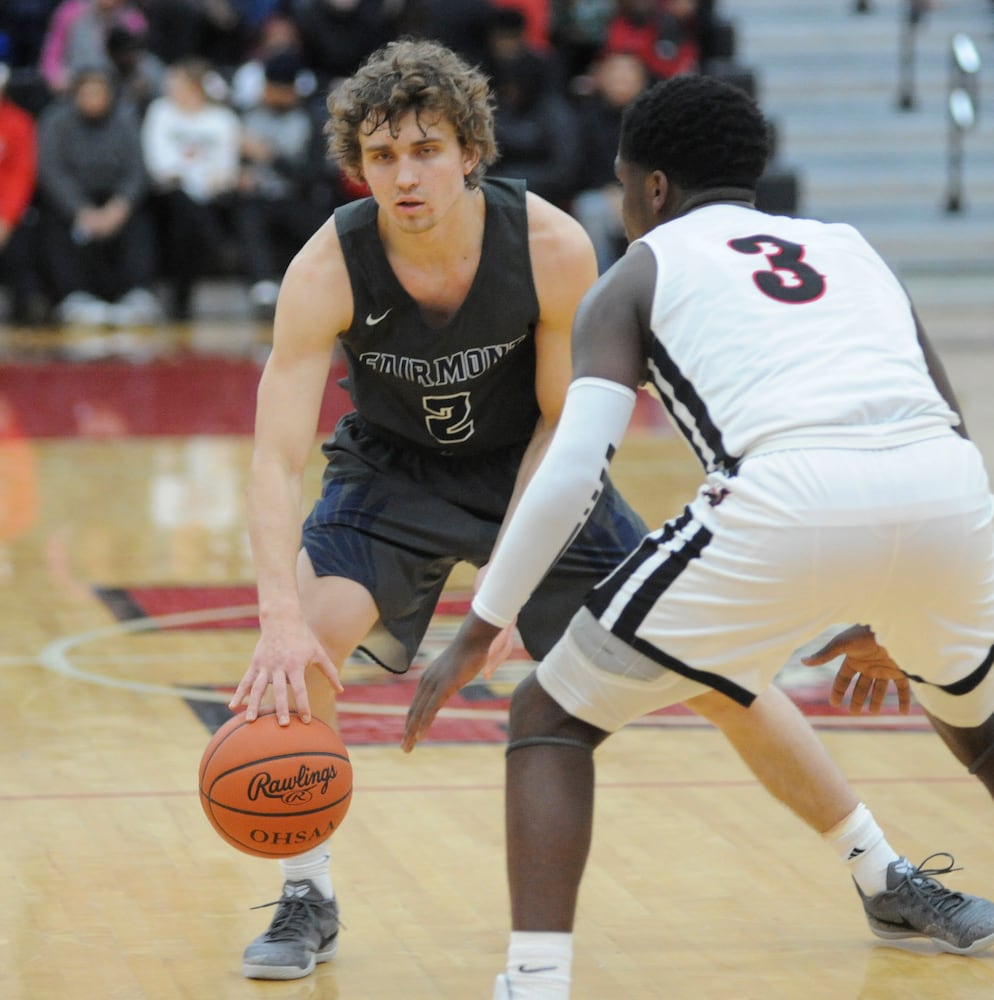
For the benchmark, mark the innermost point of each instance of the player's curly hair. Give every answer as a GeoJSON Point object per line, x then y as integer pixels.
{"type": "Point", "coordinates": [699, 131]}
{"type": "Point", "coordinates": [412, 75]}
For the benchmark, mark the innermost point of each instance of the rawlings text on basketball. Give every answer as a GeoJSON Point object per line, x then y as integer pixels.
{"type": "Point", "coordinates": [296, 788]}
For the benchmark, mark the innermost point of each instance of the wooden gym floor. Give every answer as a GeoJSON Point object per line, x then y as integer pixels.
{"type": "Point", "coordinates": [126, 608]}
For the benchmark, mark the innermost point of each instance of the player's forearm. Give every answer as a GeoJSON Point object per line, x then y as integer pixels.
{"type": "Point", "coordinates": [274, 502]}
{"type": "Point", "coordinates": [560, 497]}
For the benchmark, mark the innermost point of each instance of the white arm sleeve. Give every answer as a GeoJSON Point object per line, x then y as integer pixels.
{"type": "Point", "coordinates": [559, 498]}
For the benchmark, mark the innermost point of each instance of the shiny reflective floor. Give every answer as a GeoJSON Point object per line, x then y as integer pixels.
{"type": "Point", "coordinates": [127, 614]}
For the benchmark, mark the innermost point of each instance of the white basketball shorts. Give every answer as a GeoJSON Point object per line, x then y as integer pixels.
{"type": "Point", "coordinates": [759, 563]}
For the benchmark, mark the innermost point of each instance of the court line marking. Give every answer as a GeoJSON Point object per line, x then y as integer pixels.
{"type": "Point", "coordinates": [18, 661]}
{"type": "Point", "coordinates": [602, 785]}
{"type": "Point", "coordinates": [54, 657]}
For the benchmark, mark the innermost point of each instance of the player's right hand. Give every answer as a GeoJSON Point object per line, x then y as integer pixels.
{"type": "Point", "coordinates": [280, 661]}
{"type": "Point", "coordinates": [500, 649]}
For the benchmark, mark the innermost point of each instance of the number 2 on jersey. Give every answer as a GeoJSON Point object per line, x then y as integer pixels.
{"type": "Point", "coordinates": [789, 279]}
{"type": "Point", "coordinates": [448, 417]}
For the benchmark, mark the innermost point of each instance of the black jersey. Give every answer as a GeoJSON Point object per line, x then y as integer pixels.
{"type": "Point", "coordinates": [463, 388]}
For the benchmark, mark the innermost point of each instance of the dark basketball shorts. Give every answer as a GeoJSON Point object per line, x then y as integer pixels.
{"type": "Point", "coordinates": [397, 520]}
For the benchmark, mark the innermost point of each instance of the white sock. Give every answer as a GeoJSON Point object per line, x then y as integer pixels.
{"type": "Point", "coordinates": [312, 865]}
{"type": "Point", "coordinates": [539, 965]}
{"type": "Point", "coordinates": [861, 844]}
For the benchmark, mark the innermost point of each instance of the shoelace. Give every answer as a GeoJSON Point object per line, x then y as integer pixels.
{"type": "Point", "coordinates": [923, 882]}
{"type": "Point", "coordinates": [292, 918]}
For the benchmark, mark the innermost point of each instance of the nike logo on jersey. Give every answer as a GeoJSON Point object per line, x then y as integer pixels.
{"type": "Point", "coordinates": [370, 321]}
{"type": "Point", "coordinates": [538, 968]}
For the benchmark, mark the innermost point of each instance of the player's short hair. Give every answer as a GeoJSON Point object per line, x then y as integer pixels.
{"type": "Point", "coordinates": [412, 75]}
{"type": "Point", "coordinates": [699, 131]}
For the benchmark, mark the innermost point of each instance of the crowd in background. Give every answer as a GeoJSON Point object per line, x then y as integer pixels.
{"type": "Point", "coordinates": [146, 145]}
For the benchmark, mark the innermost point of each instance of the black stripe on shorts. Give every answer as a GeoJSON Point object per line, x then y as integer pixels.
{"type": "Point", "coordinates": [965, 684]}
{"type": "Point", "coordinates": [650, 592]}
{"type": "Point", "coordinates": [642, 602]}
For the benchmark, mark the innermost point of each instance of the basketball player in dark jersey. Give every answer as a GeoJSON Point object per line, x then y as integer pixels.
{"type": "Point", "coordinates": [452, 298]}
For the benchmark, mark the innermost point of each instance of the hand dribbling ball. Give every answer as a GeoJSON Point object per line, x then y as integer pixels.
{"type": "Point", "coordinates": [275, 791]}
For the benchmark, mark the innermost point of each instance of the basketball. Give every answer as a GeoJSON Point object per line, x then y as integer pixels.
{"type": "Point", "coordinates": [274, 791]}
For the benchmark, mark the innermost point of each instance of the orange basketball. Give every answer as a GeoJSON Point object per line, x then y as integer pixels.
{"type": "Point", "coordinates": [274, 791]}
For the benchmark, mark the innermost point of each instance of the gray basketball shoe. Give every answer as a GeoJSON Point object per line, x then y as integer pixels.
{"type": "Point", "coordinates": [916, 904]}
{"type": "Point", "coordinates": [304, 932]}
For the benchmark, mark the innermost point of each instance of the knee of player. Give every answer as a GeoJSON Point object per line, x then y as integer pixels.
{"type": "Point", "coordinates": [532, 712]}
{"type": "Point", "coordinates": [535, 718]}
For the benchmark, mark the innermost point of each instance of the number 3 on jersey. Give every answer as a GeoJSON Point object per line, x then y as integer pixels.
{"type": "Point", "coordinates": [789, 278]}
{"type": "Point", "coordinates": [448, 417]}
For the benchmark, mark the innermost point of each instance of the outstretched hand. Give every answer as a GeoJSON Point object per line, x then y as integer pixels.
{"type": "Point", "coordinates": [469, 653]}
{"type": "Point", "coordinates": [869, 665]}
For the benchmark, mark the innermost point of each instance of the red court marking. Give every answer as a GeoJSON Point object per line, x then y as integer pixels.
{"type": "Point", "coordinates": [129, 603]}
{"type": "Point", "coordinates": [185, 394]}
{"type": "Point", "coordinates": [179, 396]}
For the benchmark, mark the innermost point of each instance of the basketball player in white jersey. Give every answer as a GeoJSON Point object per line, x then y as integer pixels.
{"type": "Point", "coordinates": [837, 488]}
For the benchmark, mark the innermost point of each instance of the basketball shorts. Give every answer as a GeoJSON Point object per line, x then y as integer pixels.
{"type": "Point", "coordinates": [397, 520]}
{"type": "Point", "coordinates": [760, 563]}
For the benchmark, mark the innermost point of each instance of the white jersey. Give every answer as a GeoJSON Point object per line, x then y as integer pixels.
{"type": "Point", "coordinates": [754, 316]}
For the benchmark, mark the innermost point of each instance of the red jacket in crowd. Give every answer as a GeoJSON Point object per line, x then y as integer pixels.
{"type": "Point", "coordinates": [18, 161]}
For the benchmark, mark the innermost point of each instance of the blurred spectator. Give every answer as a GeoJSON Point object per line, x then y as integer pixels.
{"type": "Point", "coordinates": [275, 217]}
{"type": "Point", "coordinates": [578, 32]}
{"type": "Point", "coordinates": [141, 73]}
{"type": "Point", "coordinates": [662, 33]}
{"type": "Point", "coordinates": [337, 35]}
{"type": "Point", "coordinates": [219, 31]}
{"type": "Point", "coordinates": [277, 34]}
{"type": "Point", "coordinates": [617, 78]}
{"type": "Point", "coordinates": [225, 30]}
{"type": "Point", "coordinates": [535, 125]}
{"type": "Point", "coordinates": [24, 24]}
{"type": "Point", "coordinates": [191, 146]}
{"type": "Point", "coordinates": [536, 14]}
{"type": "Point", "coordinates": [99, 247]}
{"type": "Point", "coordinates": [461, 25]}
{"type": "Point", "coordinates": [18, 175]}
{"type": "Point", "coordinates": [22, 29]}
{"type": "Point", "coordinates": [328, 185]}
{"type": "Point", "coordinates": [77, 36]}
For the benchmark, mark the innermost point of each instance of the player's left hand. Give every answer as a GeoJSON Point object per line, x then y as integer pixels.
{"type": "Point", "coordinates": [866, 662]}
{"type": "Point", "coordinates": [454, 669]}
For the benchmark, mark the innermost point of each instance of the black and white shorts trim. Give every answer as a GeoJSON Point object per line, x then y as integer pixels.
{"type": "Point", "coordinates": [721, 597]}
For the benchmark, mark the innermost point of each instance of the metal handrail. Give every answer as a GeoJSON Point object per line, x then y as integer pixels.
{"type": "Point", "coordinates": [962, 106]}
{"type": "Point", "coordinates": [912, 15]}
